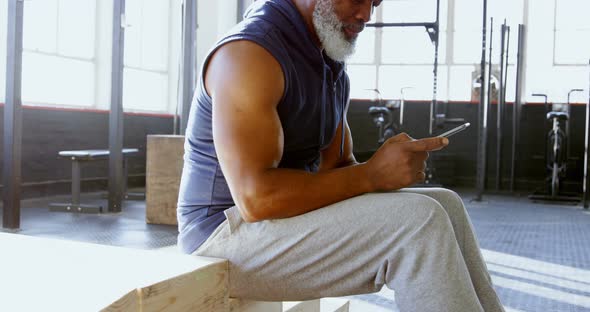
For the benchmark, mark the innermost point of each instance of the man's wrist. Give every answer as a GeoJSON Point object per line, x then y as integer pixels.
{"type": "Point", "coordinates": [363, 177]}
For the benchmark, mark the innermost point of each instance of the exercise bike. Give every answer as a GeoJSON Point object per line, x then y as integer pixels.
{"type": "Point", "coordinates": [383, 116]}
{"type": "Point", "coordinates": [556, 156]}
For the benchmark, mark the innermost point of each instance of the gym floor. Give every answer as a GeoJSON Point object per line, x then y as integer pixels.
{"type": "Point", "coordinates": [538, 253]}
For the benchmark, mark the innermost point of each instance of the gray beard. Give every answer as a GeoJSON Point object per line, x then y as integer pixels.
{"type": "Point", "coordinates": [329, 30]}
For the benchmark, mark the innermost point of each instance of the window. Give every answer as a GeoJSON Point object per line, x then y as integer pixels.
{"type": "Point", "coordinates": [50, 79]}
{"type": "Point", "coordinates": [468, 27]}
{"type": "Point", "coordinates": [572, 30]}
{"type": "Point", "coordinates": [362, 79]}
{"type": "Point", "coordinates": [410, 11]}
{"type": "Point", "coordinates": [410, 46]}
{"type": "Point", "coordinates": [365, 48]}
{"type": "Point", "coordinates": [406, 54]}
{"type": "Point", "coordinates": [418, 79]}
{"type": "Point", "coordinates": [58, 52]}
{"type": "Point", "coordinates": [146, 74]}
{"type": "Point", "coordinates": [391, 58]}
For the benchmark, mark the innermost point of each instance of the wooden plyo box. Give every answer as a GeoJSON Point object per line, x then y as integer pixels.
{"type": "Point", "coordinates": [42, 274]}
{"type": "Point", "coordinates": [163, 171]}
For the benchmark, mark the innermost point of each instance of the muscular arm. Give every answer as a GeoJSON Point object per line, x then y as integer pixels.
{"type": "Point", "coordinates": [246, 84]}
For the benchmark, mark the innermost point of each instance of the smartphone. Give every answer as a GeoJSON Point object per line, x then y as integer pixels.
{"type": "Point", "coordinates": [454, 130]}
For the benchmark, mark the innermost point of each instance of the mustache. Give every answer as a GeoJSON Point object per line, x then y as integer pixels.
{"type": "Point", "coordinates": [357, 27]}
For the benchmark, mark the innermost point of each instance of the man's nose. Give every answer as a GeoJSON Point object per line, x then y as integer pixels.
{"type": "Point", "coordinates": [365, 11]}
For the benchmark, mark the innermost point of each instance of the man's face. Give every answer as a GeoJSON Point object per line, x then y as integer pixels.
{"type": "Point", "coordinates": [338, 23]}
{"type": "Point", "coordinates": [354, 14]}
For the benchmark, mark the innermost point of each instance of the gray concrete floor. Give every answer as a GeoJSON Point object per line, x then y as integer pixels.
{"type": "Point", "coordinates": [538, 253]}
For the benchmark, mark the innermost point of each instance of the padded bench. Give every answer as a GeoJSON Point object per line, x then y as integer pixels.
{"type": "Point", "coordinates": [78, 157]}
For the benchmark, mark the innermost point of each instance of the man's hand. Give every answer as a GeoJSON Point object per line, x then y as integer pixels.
{"type": "Point", "coordinates": [401, 161]}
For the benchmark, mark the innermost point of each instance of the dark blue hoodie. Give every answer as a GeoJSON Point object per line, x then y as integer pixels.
{"type": "Point", "coordinates": [313, 104]}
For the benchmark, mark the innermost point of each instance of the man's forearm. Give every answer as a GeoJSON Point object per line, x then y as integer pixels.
{"type": "Point", "coordinates": [347, 163]}
{"type": "Point", "coordinates": [282, 193]}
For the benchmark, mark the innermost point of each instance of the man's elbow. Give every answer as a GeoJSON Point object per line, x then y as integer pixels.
{"type": "Point", "coordinates": [252, 208]}
{"type": "Point", "coordinates": [248, 215]}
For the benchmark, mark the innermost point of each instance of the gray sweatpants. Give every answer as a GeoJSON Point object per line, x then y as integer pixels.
{"type": "Point", "coordinates": [417, 241]}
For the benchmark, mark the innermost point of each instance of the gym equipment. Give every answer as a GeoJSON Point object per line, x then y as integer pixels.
{"type": "Point", "coordinates": [586, 142]}
{"type": "Point", "coordinates": [187, 67]}
{"type": "Point", "coordinates": [482, 113]}
{"type": "Point", "coordinates": [489, 80]}
{"type": "Point", "coordinates": [383, 113]}
{"type": "Point", "coordinates": [546, 106]}
{"type": "Point", "coordinates": [504, 57]}
{"type": "Point", "coordinates": [116, 126]}
{"type": "Point", "coordinates": [516, 110]}
{"type": "Point", "coordinates": [569, 113]}
{"type": "Point", "coordinates": [401, 106]}
{"type": "Point", "coordinates": [555, 157]}
{"type": "Point", "coordinates": [378, 114]}
{"type": "Point", "coordinates": [383, 117]}
{"type": "Point", "coordinates": [436, 120]}
{"type": "Point", "coordinates": [432, 29]}
{"type": "Point", "coordinates": [13, 117]}
{"type": "Point", "coordinates": [84, 156]}
{"type": "Point", "coordinates": [558, 144]}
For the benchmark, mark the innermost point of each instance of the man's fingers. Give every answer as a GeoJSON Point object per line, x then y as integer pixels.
{"type": "Point", "coordinates": [426, 145]}
{"type": "Point", "coordinates": [402, 137]}
{"type": "Point", "coordinates": [420, 176]}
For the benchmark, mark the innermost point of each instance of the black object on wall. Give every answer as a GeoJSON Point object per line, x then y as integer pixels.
{"type": "Point", "coordinates": [13, 117]}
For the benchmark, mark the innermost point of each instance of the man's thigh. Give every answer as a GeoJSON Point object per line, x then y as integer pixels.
{"type": "Point", "coordinates": [333, 251]}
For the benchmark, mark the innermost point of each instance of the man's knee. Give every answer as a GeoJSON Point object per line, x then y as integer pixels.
{"type": "Point", "coordinates": [427, 212]}
{"type": "Point", "coordinates": [450, 201]}
{"type": "Point", "coordinates": [452, 197]}
{"type": "Point", "coordinates": [445, 196]}
{"type": "Point", "coordinates": [405, 210]}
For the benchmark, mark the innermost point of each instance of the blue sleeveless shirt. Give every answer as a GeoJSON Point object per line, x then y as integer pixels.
{"type": "Point", "coordinates": [313, 104]}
